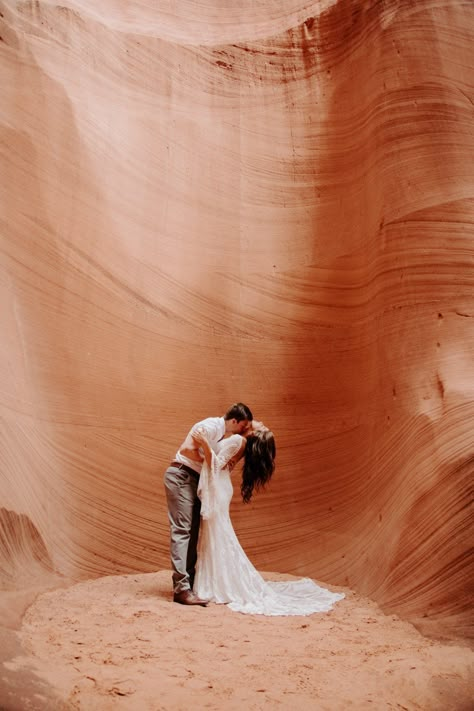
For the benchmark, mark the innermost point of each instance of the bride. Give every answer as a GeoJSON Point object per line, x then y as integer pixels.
{"type": "Point", "coordinates": [224, 574]}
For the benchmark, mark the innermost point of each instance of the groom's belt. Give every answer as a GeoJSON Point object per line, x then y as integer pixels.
{"type": "Point", "coordinates": [179, 465]}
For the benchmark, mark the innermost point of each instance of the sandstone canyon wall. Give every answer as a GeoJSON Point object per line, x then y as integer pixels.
{"type": "Point", "coordinates": [269, 202]}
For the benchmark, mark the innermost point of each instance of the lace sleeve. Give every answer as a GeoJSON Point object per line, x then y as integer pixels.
{"type": "Point", "coordinates": [207, 487]}
{"type": "Point", "coordinates": [229, 449]}
{"type": "Point", "coordinates": [209, 474]}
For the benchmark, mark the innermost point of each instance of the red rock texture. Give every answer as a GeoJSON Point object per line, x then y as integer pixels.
{"type": "Point", "coordinates": [271, 203]}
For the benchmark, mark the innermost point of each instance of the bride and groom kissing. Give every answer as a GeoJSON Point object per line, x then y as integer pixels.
{"type": "Point", "coordinates": [209, 564]}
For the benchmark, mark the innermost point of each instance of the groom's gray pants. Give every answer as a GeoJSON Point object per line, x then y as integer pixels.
{"type": "Point", "coordinates": [184, 513]}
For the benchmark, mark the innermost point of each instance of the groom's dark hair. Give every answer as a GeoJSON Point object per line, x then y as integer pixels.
{"type": "Point", "coordinates": [238, 412]}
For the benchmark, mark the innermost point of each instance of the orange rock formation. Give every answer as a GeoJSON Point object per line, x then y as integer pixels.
{"type": "Point", "coordinates": [270, 202]}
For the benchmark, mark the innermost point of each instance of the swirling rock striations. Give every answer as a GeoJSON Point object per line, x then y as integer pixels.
{"type": "Point", "coordinates": [271, 204]}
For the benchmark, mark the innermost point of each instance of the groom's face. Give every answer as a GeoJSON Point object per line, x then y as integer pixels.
{"type": "Point", "coordinates": [238, 427]}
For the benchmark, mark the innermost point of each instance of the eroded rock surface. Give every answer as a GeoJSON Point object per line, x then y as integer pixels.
{"type": "Point", "coordinates": [271, 204]}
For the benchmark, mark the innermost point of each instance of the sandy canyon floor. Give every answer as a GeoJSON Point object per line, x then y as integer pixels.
{"type": "Point", "coordinates": [120, 643]}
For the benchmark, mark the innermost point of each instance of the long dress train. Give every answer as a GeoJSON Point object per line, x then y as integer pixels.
{"type": "Point", "coordinates": [224, 574]}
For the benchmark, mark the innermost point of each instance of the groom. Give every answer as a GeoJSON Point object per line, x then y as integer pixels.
{"type": "Point", "coordinates": [184, 506]}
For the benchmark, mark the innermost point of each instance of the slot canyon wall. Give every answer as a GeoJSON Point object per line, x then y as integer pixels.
{"type": "Point", "coordinates": [270, 202]}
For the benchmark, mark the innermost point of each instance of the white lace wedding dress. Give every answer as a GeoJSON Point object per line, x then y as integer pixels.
{"type": "Point", "coordinates": [224, 574]}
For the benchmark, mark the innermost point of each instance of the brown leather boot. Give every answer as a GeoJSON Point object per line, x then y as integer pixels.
{"type": "Point", "coordinates": [187, 597]}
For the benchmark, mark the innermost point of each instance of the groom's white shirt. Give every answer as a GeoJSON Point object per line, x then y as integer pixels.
{"type": "Point", "coordinates": [214, 428]}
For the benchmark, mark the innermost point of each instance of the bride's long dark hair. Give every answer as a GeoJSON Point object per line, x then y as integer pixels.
{"type": "Point", "coordinates": [259, 463]}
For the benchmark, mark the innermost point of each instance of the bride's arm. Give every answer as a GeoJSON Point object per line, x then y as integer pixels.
{"type": "Point", "coordinates": [206, 485]}
{"type": "Point", "coordinates": [229, 455]}
{"type": "Point", "coordinates": [232, 452]}
{"type": "Point", "coordinates": [200, 437]}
